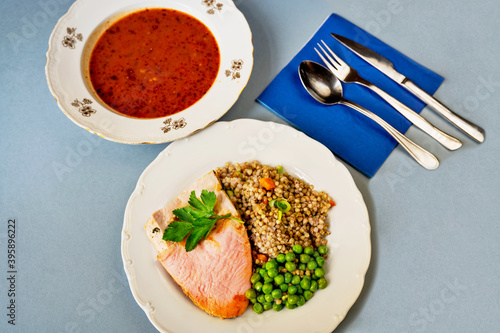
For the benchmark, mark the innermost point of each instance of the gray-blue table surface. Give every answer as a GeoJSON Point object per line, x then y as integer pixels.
{"type": "Point", "coordinates": [435, 234]}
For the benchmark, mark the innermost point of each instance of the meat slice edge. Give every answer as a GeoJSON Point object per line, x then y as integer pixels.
{"type": "Point", "coordinates": [216, 274]}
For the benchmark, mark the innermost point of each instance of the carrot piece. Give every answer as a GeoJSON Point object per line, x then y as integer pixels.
{"type": "Point", "coordinates": [332, 203]}
{"type": "Point", "coordinates": [262, 257]}
{"type": "Point", "coordinates": [267, 183]}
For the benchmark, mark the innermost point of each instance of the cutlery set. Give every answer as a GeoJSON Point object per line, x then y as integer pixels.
{"type": "Point", "coordinates": [324, 85]}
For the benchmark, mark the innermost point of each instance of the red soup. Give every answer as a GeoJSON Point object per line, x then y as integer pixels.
{"type": "Point", "coordinates": [154, 63]}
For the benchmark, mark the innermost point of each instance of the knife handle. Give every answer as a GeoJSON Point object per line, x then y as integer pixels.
{"type": "Point", "coordinates": [443, 138]}
{"type": "Point", "coordinates": [474, 131]}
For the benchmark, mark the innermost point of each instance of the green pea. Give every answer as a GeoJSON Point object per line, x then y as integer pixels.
{"type": "Point", "coordinates": [274, 261]}
{"type": "Point", "coordinates": [288, 277]}
{"type": "Point", "coordinates": [290, 266]}
{"type": "Point", "coordinates": [268, 279]}
{"type": "Point", "coordinates": [258, 286]}
{"type": "Point", "coordinates": [296, 279]}
{"type": "Point", "coordinates": [261, 298]}
{"type": "Point", "coordinates": [314, 286]}
{"type": "Point", "coordinates": [267, 305]}
{"type": "Point", "coordinates": [255, 277]}
{"type": "Point", "coordinates": [320, 261]}
{"type": "Point", "coordinates": [323, 250]}
{"type": "Point", "coordinates": [290, 306]}
{"type": "Point", "coordinates": [277, 307]}
{"type": "Point", "coordinates": [251, 293]}
{"type": "Point", "coordinates": [308, 250]}
{"type": "Point", "coordinates": [281, 258]}
{"type": "Point", "coordinates": [300, 291]}
{"type": "Point", "coordinates": [253, 300]}
{"type": "Point", "coordinates": [322, 283]}
{"type": "Point", "coordinates": [257, 270]}
{"type": "Point", "coordinates": [293, 299]}
{"type": "Point", "coordinates": [284, 287]}
{"type": "Point", "coordinates": [268, 298]}
{"type": "Point", "coordinates": [308, 295]}
{"type": "Point", "coordinates": [272, 272]}
{"type": "Point", "coordinates": [307, 277]}
{"type": "Point", "coordinates": [301, 301]}
{"type": "Point", "coordinates": [262, 271]}
{"type": "Point", "coordinates": [305, 284]}
{"type": "Point", "coordinates": [277, 293]}
{"type": "Point", "coordinates": [304, 258]}
{"type": "Point", "coordinates": [267, 288]}
{"type": "Point", "coordinates": [302, 267]}
{"type": "Point", "coordinates": [319, 272]}
{"type": "Point", "coordinates": [290, 256]}
{"type": "Point", "coordinates": [297, 248]}
{"type": "Point", "coordinates": [270, 264]}
{"type": "Point", "coordinates": [279, 279]}
{"type": "Point", "coordinates": [258, 308]}
{"type": "Point", "coordinates": [312, 264]}
{"type": "Point", "coordinates": [315, 254]}
{"type": "Point", "coordinates": [292, 290]}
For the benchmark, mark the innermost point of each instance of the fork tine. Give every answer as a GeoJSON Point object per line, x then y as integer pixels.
{"type": "Point", "coordinates": [332, 61]}
{"type": "Point", "coordinates": [340, 61]}
{"type": "Point", "coordinates": [326, 62]}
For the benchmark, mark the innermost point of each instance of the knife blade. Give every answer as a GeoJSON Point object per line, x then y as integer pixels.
{"type": "Point", "coordinates": [387, 67]}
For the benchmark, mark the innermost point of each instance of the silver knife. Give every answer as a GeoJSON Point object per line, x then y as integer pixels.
{"type": "Point", "coordinates": [385, 66]}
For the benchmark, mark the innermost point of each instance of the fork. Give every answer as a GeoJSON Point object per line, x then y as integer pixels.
{"type": "Point", "coordinates": [347, 74]}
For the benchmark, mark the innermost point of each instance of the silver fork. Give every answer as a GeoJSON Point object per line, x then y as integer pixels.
{"type": "Point", "coordinates": [347, 74]}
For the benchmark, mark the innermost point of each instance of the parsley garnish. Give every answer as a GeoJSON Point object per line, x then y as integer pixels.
{"type": "Point", "coordinates": [197, 220]}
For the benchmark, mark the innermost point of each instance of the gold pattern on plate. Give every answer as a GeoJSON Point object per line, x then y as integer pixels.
{"type": "Point", "coordinates": [173, 124]}
{"type": "Point", "coordinates": [213, 6]}
{"type": "Point", "coordinates": [234, 72]}
{"type": "Point", "coordinates": [70, 39]}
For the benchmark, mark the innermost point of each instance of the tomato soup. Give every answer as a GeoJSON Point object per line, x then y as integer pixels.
{"type": "Point", "coordinates": [154, 63]}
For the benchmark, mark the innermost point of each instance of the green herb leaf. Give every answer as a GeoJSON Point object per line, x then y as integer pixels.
{"type": "Point", "coordinates": [194, 237]}
{"type": "Point", "coordinates": [197, 220]}
{"type": "Point", "coordinates": [176, 231]}
{"type": "Point", "coordinates": [195, 202]}
{"type": "Point", "coordinates": [208, 199]}
{"type": "Point", "coordinates": [206, 224]}
{"type": "Point", "coordinates": [184, 214]}
{"type": "Point", "coordinates": [199, 213]}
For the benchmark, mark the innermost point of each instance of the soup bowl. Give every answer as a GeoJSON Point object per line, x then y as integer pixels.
{"type": "Point", "coordinates": [73, 39]}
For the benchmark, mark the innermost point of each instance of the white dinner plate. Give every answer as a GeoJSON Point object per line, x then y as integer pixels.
{"type": "Point", "coordinates": [76, 33]}
{"type": "Point", "coordinates": [186, 160]}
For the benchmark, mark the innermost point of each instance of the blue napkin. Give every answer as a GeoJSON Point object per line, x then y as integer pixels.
{"type": "Point", "coordinates": [349, 135]}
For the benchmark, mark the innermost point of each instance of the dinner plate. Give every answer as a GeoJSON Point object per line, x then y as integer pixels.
{"type": "Point", "coordinates": [186, 160]}
{"type": "Point", "coordinates": [72, 40]}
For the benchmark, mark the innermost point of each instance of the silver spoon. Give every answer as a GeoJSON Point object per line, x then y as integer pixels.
{"type": "Point", "coordinates": [324, 87]}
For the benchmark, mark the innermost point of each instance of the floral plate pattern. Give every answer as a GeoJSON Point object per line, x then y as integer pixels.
{"type": "Point", "coordinates": [77, 31]}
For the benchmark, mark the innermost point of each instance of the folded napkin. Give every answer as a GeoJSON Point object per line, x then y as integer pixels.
{"type": "Point", "coordinates": [351, 136]}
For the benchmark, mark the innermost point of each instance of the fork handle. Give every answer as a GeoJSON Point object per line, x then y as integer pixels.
{"type": "Point", "coordinates": [422, 156]}
{"type": "Point", "coordinates": [474, 131]}
{"type": "Point", "coordinates": [443, 138]}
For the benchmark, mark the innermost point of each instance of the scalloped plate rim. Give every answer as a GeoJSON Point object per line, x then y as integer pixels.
{"type": "Point", "coordinates": [97, 129]}
{"type": "Point", "coordinates": [363, 266]}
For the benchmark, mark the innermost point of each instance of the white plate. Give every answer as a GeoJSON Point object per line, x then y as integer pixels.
{"type": "Point", "coordinates": [77, 31]}
{"type": "Point", "coordinates": [184, 161]}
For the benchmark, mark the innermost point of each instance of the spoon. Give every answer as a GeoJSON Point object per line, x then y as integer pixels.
{"type": "Point", "coordinates": [324, 87]}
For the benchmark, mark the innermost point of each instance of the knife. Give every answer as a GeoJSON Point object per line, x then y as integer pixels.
{"type": "Point", "coordinates": [385, 66]}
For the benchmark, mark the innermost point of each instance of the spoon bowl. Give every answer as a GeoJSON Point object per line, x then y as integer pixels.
{"type": "Point", "coordinates": [326, 88]}
{"type": "Point", "coordinates": [320, 83]}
